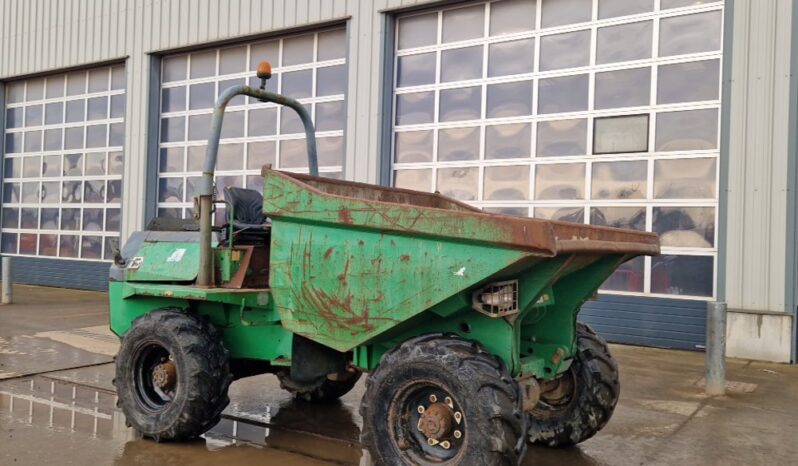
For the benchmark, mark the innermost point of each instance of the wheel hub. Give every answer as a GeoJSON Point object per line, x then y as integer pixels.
{"type": "Point", "coordinates": [436, 421]}
{"type": "Point", "coordinates": [164, 376]}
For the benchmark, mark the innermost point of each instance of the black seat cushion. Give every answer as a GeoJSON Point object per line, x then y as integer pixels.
{"type": "Point", "coordinates": [247, 207]}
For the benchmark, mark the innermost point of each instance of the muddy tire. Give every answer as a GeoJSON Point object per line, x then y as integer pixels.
{"type": "Point", "coordinates": [578, 413]}
{"type": "Point", "coordinates": [435, 389]}
{"type": "Point", "coordinates": [172, 375]}
{"type": "Point", "coordinates": [324, 392]}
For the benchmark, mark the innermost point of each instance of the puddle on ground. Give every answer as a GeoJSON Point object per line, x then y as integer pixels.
{"type": "Point", "coordinates": [63, 422]}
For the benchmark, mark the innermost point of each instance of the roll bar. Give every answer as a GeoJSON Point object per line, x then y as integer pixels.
{"type": "Point", "coordinates": [204, 201]}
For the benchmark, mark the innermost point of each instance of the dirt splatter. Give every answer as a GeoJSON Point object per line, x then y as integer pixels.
{"type": "Point", "coordinates": [404, 257]}
{"type": "Point", "coordinates": [328, 253]}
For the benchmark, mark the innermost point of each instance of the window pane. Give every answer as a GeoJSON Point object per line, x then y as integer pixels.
{"type": "Point", "coordinates": [687, 130]}
{"type": "Point", "coordinates": [233, 60]}
{"type": "Point", "coordinates": [260, 154]}
{"type": "Point", "coordinates": [688, 82]}
{"type": "Point", "coordinates": [619, 180]}
{"type": "Point", "coordinates": [461, 64]}
{"type": "Point", "coordinates": [414, 70]}
{"type": "Point", "coordinates": [203, 64]}
{"type": "Point", "coordinates": [29, 218]}
{"type": "Point", "coordinates": [15, 92]}
{"type": "Point", "coordinates": [510, 16]}
{"type": "Point", "coordinates": [684, 179]}
{"type": "Point", "coordinates": [568, 50]}
{"type": "Point", "coordinates": [97, 108]}
{"type": "Point", "coordinates": [173, 129]}
{"type": "Point", "coordinates": [33, 115]}
{"type": "Point", "coordinates": [117, 106]}
{"type": "Point", "coordinates": [98, 80]}
{"type": "Point", "coordinates": [619, 217]}
{"type": "Point", "coordinates": [49, 218]}
{"type": "Point", "coordinates": [623, 88]}
{"type": "Point", "coordinates": [331, 80]}
{"type": "Point", "coordinates": [628, 277]}
{"type": "Point", "coordinates": [330, 116]}
{"type": "Point", "coordinates": [10, 218]}
{"type": "Point", "coordinates": [33, 140]}
{"type": "Point", "coordinates": [201, 96]}
{"type": "Point", "coordinates": [54, 113]}
{"type": "Point", "coordinates": [170, 190]}
{"type": "Point", "coordinates": [515, 211]}
{"type": "Point", "coordinates": [93, 219]}
{"type": "Point", "coordinates": [563, 94]}
{"type": "Point", "coordinates": [417, 180]}
{"type": "Point", "coordinates": [268, 50]}
{"type": "Point", "coordinates": [331, 151]}
{"type": "Point", "coordinates": [667, 4]}
{"type": "Point", "coordinates": [418, 31]}
{"type": "Point", "coordinates": [614, 135]}
{"type": "Point", "coordinates": [91, 247]}
{"type": "Point", "coordinates": [463, 23]}
{"type": "Point", "coordinates": [231, 157]}
{"type": "Point", "coordinates": [53, 139]}
{"type": "Point", "coordinates": [233, 125]}
{"type": "Point", "coordinates": [32, 167]}
{"type": "Point", "coordinates": [73, 138]}
{"type": "Point", "coordinates": [506, 183]}
{"type": "Point", "coordinates": [623, 43]}
{"type": "Point", "coordinates": [173, 99]}
{"type": "Point", "coordinates": [460, 104]}
{"type": "Point", "coordinates": [174, 68]}
{"type": "Point", "coordinates": [172, 160]}
{"type": "Point", "coordinates": [562, 137]}
{"type": "Point", "coordinates": [561, 214]}
{"type": "Point", "coordinates": [298, 50]}
{"type": "Point", "coordinates": [512, 57]}
{"type": "Point", "coordinates": [689, 227]}
{"type": "Point", "coordinates": [290, 123]}
{"type": "Point", "coordinates": [560, 181]}
{"type": "Point", "coordinates": [613, 8]}
{"type": "Point", "coordinates": [51, 166]}
{"type": "Point", "coordinates": [508, 141]}
{"type": "Point", "coordinates": [293, 153]}
{"type": "Point", "coordinates": [559, 12]}
{"type": "Point", "coordinates": [262, 122]}
{"type": "Point", "coordinates": [14, 117]}
{"type": "Point", "coordinates": [35, 89]}
{"type": "Point", "coordinates": [682, 275]}
{"type": "Point", "coordinates": [73, 165]}
{"type": "Point", "coordinates": [297, 84]}
{"type": "Point", "coordinates": [509, 99]}
{"type": "Point", "coordinates": [332, 45]}
{"type": "Point", "coordinates": [413, 146]}
{"type": "Point", "coordinates": [96, 136]}
{"type": "Point", "coordinates": [458, 144]}
{"type": "Point", "coordinates": [694, 33]}
{"type": "Point", "coordinates": [75, 111]}
{"type": "Point", "coordinates": [459, 183]}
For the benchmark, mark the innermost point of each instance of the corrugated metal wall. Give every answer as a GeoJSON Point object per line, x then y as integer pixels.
{"type": "Point", "coordinates": [43, 35]}
{"type": "Point", "coordinates": [756, 227]}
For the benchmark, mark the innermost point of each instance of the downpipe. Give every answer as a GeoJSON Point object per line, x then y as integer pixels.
{"type": "Point", "coordinates": [204, 201]}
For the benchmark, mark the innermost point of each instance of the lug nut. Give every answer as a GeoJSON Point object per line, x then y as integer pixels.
{"type": "Point", "coordinates": [421, 409]}
{"type": "Point", "coordinates": [457, 434]}
{"type": "Point", "coordinates": [445, 444]}
{"type": "Point", "coordinates": [458, 417]}
{"type": "Point", "coordinates": [433, 398]}
{"type": "Point", "coordinates": [449, 402]}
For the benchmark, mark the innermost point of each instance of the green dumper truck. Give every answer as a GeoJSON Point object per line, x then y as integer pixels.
{"type": "Point", "coordinates": [465, 321]}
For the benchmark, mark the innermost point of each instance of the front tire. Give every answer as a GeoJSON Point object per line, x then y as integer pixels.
{"type": "Point", "coordinates": [583, 400]}
{"type": "Point", "coordinates": [441, 400]}
{"type": "Point", "coordinates": [172, 375]}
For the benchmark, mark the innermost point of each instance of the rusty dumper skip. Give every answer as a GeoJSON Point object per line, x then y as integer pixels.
{"type": "Point", "coordinates": [466, 321]}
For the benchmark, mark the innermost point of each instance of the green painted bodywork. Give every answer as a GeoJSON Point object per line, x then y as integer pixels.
{"type": "Point", "coordinates": [360, 269]}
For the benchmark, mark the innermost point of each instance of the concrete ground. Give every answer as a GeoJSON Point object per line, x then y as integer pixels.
{"type": "Point", "coordinates": [57, 406]}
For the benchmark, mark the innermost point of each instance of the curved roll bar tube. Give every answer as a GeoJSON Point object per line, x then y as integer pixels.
{"type": "Point", "coordinates": [205, 196]}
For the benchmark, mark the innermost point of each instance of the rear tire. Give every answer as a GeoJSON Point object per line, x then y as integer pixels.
{"type": "Point", "coordinates": [172, 375]}
{"type": "Point", "coordinates": [441, 400]}
{"type": "Point", "coordinates": [579, 412]}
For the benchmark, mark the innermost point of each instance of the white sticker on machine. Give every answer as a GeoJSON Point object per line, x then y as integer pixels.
{"type": "Point", "coordinates": [177, 255]}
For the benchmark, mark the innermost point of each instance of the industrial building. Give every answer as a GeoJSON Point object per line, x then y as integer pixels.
{"type": "Point", "coordinates": [671, 116]}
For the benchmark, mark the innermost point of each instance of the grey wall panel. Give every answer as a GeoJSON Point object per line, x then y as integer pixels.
{"type": "Point", "coordinates": [758, 152]}
{"type": "Point", "coordinates": [667, 323]}
{"type": "Point", "coordinates": [82, 275]}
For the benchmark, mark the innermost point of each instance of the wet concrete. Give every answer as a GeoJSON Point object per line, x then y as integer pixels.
{"type": "Point", "coordinates": [68, 416]}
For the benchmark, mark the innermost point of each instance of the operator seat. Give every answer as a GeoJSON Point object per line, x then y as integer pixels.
{"type": "Point", "coordinates": [249, 222]}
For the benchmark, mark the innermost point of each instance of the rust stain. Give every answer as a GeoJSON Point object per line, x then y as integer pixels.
{"type": "Point", "coordinates": [360, 243]}
{"type": "Point", "coordinates": [404, 257]}
{"type": "Point", "coordinates": [345, 216]}
{"type": "Point", "coordinates": [328, 253]}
